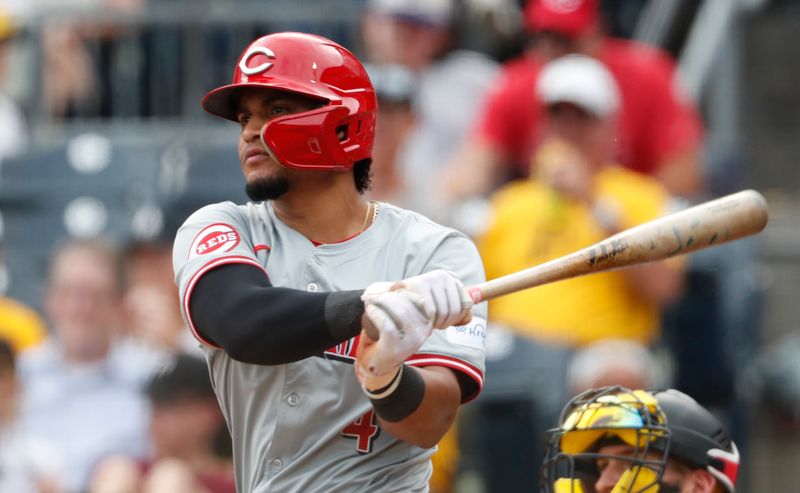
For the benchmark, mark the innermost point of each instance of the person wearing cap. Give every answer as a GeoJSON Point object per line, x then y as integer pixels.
{"type": "Point", "coordinates": [451, 83]}
{"type": "Point", "coordinates": [618, 440]}
{"type": "Point", "coordinates": [614, 362]}
{"type": "Point", "coordinates": [576, 195]}
{"type": "Point", "coordinates": [660, 130]}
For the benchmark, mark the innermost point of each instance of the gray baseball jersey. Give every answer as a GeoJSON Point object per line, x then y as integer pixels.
{"type": "Point", "coordinates": [307, 425]}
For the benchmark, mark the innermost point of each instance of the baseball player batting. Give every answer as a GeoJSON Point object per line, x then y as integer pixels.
{"type": "Point", "coordinates": [278, 290]}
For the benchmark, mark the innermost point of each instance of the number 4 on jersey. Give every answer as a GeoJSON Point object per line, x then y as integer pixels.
{"type": "Point", "coordinates": [365, 429]}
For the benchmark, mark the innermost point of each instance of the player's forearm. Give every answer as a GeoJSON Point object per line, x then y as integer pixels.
{"type": "Point", "coordinates": [435, 414]}
{"type": "Point", "coordinates": [236, 307]}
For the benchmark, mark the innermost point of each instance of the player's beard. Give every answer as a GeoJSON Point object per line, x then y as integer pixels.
{"type": "Point", "coordinates": [269, 188]}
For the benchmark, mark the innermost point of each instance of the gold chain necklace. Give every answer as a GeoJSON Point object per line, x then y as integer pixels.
{"type": "Point", "coordinates": [373, 206]}
{"type": "Point", "coordinates": [366, 217]}
{"type": "Point", "coordinates": [376, 206]}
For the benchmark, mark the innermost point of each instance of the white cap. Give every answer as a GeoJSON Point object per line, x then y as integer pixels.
{"type": "Point", "coordinates": [591, 361]}
{"type": "Point", "coordinates": [580, 80]}
{"type": "Point", "coordinates": [429, 12]}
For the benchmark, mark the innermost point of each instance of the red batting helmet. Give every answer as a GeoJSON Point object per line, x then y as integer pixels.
{"type": "Point", "coordinates": [332, 137]}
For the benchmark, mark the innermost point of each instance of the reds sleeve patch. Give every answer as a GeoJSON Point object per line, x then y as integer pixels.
{"type": "Point", "coordinates": [473, 334]}
{"type": "Point", "coordinates": [218, 237]}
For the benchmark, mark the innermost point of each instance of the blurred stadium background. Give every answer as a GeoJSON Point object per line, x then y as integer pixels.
{"type": "Point", "coordinates": [135, 155]}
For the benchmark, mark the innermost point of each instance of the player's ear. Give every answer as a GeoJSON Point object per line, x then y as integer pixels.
{"type": "Point", "coordinates": [701, 481]}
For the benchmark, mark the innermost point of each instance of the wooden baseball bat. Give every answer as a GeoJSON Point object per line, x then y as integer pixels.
{"type": "Point", "coordinates": [702, 226]}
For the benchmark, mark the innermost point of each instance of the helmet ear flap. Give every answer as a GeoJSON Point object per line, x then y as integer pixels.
{"type": "Point", "coordinates": [355, 135]}
{"type": "Point", "coordinates": [309, 140]}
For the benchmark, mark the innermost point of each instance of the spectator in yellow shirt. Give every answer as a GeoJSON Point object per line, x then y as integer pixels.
{"type": "Point", "coordinates": [577, 196]}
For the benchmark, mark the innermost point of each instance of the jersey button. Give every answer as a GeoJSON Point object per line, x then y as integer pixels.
{"type": "Point", "coordinates": [293, 400]}
{"type": "Point", "coordinates": [313, 287]}
{"type": "Point", "coordinates": [277, 463]}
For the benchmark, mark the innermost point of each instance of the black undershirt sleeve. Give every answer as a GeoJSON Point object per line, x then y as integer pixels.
{"type": "Point", "coordinates": [236, 307]}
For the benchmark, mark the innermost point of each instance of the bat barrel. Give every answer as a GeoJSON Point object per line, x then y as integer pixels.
{"type": "Point", "coordinates": [706, 225]}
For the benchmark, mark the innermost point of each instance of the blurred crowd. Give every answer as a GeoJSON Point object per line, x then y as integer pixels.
{"type": "Point", "coordinates": [537, 127]}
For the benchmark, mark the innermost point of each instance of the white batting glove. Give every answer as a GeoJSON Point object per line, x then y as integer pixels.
{"type": "Point", "coordinates": [444, 295]}
{"type": "Point", "coordinates": [376, 288]}
{"type": "Point", "coordinates": [403, 323]}
{"type": "Point", "coordinates": [370, 293]}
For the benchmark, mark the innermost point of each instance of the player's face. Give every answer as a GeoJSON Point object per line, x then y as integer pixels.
{"type": "Point", "coordinates": [611, 470]}
{"type": "Point", "coordinates": [266, 179]}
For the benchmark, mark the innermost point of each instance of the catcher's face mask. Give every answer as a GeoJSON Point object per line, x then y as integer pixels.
{"type": "Point", "coordinates": [608, 416]}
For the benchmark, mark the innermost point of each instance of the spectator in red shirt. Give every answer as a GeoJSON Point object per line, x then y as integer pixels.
{"type": "Point", "coordinates": [660, 129]}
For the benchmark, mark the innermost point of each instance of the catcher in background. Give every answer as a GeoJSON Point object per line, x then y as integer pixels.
{"type": "Point", "coordinates": [618, 440]}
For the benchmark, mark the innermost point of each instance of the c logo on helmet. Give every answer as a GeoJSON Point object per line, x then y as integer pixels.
{"type": "Point", "coordinates": [253, 51]}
